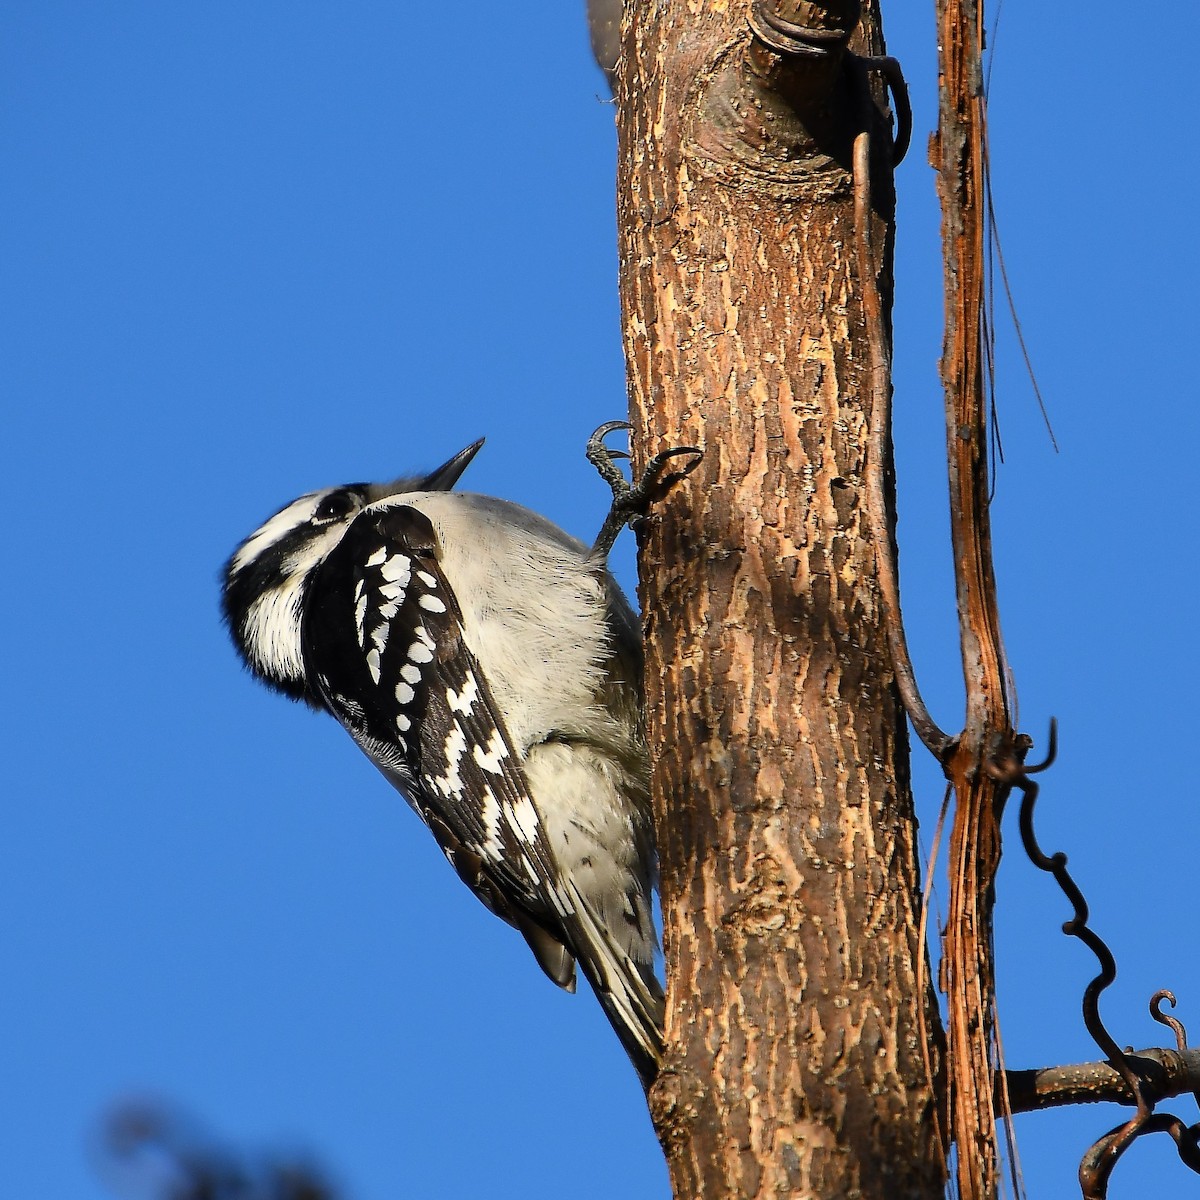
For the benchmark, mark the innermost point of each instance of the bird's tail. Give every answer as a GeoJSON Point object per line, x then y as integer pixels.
{"type": "Point", "coordinates": [632, 998]}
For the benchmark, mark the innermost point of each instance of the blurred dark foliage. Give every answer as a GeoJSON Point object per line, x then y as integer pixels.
{"type": "Point", "coordinates": [148, 1151]}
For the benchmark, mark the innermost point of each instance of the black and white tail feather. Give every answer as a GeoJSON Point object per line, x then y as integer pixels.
{"type": "Point", "coordinates": [489, 666]}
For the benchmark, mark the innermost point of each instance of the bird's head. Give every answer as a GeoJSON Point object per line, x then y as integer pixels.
{"type": "Point", "coordinates": [264, 584]}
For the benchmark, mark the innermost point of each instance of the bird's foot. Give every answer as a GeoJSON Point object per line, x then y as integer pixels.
{"type": "Point", "coordinates": [632, 500]}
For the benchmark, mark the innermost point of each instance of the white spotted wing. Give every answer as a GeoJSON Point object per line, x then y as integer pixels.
{"type": "Point", "coordinates": [383, 639]}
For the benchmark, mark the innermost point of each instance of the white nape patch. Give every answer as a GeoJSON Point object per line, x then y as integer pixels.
{"type": "Point", "coordinates": [493, 847]}
{"type": "Point", "coordinates": [411, 673]}
{"type": "Point", "coordinates": [272, 633]}
{"type": "Point", "coordinates": [404, 693]}
{"type": "Point", "coordinates": [282, 523]}
{"type": "Point", "coordinates": [373, 664]}
{"type": "Point", "coordinates": [419, 652]}
{"type": "Point", "coordinates": [377, 557]}
{"type": "Point", "coordinates": [397, 569]}
{"type": "Point", "coordinates": [451, 783]}
{"type": "Point", "coordinates": [427, 579]}
{"type": "Point", "coordinates": [463, 701]}
{"type": "Point", "coordinates": [491, 761]}
{"type": "Point", "coordinates": [431, 604]}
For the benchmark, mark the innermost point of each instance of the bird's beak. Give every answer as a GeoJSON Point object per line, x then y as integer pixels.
{"type": "Point", "coordinates": [447, 475]}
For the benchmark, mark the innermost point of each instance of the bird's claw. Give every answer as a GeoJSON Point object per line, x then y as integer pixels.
{"type": "Point", "coordinates": [631, 500]}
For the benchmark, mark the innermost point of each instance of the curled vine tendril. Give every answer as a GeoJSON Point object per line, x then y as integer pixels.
{"type": "Point", "coordinates": [1100, 1160]}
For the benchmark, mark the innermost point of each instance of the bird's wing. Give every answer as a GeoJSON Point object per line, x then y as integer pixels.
{"type": "Point", "coordinates": [383, 639]}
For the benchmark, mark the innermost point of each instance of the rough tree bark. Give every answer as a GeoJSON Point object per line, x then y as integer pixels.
{"type": "Point", "coordinates": [802, 1039]}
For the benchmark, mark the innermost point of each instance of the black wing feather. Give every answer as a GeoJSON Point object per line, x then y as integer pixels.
{"type": "Point", "coordinates": [383, 640]}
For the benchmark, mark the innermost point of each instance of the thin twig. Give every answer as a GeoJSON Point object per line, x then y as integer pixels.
{"type": "Point", "coordinates": [879, 431]}
{"type": "Point", "coordinates": [942, 1138]}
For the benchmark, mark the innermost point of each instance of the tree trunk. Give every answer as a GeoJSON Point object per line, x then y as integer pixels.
{"type": "Point", "coordinates": [802, 1038]}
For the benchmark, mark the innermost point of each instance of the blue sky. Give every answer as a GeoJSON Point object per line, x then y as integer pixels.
{"type": "Point", "coordinates": [251, 249]}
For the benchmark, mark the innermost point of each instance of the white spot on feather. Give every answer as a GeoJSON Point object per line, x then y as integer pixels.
{"type": "Point", "coordinates": [463, 701]}
{"type": "Point", "coordinates": [360, 615]}
{"type": "Point", "coordinates": [397, 569]}
{"type": "Point", "coordinates": [493, 847]}
{"type": "Point", "coordinates": [526, 818]}
{"type": "Point", "coordinates": [451, 783]}
{"type": "Point", "coordinates": [493, 758]}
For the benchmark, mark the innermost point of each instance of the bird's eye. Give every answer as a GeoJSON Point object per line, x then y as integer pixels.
{"type": "Point", "coordinates": [335, 506]}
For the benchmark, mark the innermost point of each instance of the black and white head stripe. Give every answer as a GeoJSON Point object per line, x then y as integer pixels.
{"type": "Point", "coordinates": [266, 577]}
{"type": "Point", "coordinates": [383, 641]}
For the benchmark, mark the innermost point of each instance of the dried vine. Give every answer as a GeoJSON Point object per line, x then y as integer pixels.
{"type": "Point", "coordinates": [958, 152]}
{"type": "Point", "coordinates": [1140, 1075]}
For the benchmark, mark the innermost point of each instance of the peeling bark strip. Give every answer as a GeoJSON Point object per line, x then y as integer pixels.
{"type": "Point", "coordinates": [957, 152]}
{"type": "Point", "coordinates": [789, 875]}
